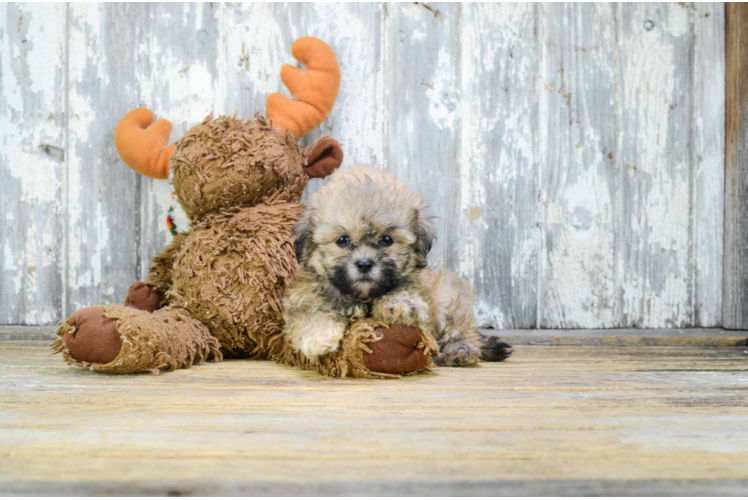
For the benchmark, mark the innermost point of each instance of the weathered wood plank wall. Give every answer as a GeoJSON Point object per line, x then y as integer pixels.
{"type": "Point", "coordinates": [735, 306]}
{"type": "Point", "coordinates": [572, 153]}
{"type": "Point", "coordinates": [32, 162]}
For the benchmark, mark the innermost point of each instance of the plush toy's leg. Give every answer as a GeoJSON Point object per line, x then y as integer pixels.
{"type": "Point", "coordinates": [370, 349]}
{"type": "Point", "coordinates": [144, 297]}
{"type": "Point", "coordinates": [120, 339]}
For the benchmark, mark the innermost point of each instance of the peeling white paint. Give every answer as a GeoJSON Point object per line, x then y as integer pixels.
{"type": "Point", "coordinates": [189, 86]}
{"type": "Point", "coordinates": [709, 154]}
{"type": "Point", "coordinates": [11, 268]}
{"type": "Point", "coordinates": [86, 43]}
{"type": "Point", "coordinates": [45, 61]}
{"type": "Point", "coordinates": [255, 33]}
{"type": "Point", "coordinates": [441, 92]}
{"type": "Point", "coordinates": [578, 253]}
{"type": "Point", "coordinates": [11, 96]}
{"type": "Point", "coordinates": [31, 161]}
{"type": "Point", "coordinates": [37, 173]}
{"type": "Point", "coordinates": [655, 152]}
{"type": "Point", "coordinates": [470, 193]}
{"type": "Point", "coordinates": [531, 206]}
{"type": "Point", "coordinates": [184, 91]}
{"type": "Point", "coordinates": [497, 162]}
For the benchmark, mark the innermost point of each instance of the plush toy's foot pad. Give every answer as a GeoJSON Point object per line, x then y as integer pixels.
{"type": "Point", "coordinates": [144, 297]}
{"type": "Point", "coordinates": [95, 338]}
{"type": "Point", "coordinates": [397, 352]}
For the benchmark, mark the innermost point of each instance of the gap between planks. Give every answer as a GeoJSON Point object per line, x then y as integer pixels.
{"type": "Point", "coordinates": [703, 337]}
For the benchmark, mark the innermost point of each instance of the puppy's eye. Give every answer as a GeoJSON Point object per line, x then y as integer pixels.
{"type": "Point", "coordinates": [385, 241]}
{"type": "Point", "coordinates": [343, 241]}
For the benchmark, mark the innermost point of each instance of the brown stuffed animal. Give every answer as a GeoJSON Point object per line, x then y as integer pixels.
{"type": "Point", "coordinates": [216, 289]}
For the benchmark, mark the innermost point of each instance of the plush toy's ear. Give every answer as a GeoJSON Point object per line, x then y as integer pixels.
{"type": "Point", "coordinates": [323, 157]}
{"type": "Point", "coordinates": [142, 144]}
{"type": "Point", "coordinates": [425, 236]}
{"type": "Point", "coordinates": [314, 91]}
{"type": "Point", "coordinates": [303, 232]}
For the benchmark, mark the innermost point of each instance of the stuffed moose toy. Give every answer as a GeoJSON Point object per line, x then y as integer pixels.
{"type": "Point", "coordinates": [216, 290]}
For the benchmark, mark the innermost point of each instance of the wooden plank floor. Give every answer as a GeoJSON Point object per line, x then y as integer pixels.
{"type": "Point", "coordinates": [552, 420]}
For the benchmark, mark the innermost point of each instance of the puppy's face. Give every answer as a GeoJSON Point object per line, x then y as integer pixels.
{"type": "Point", "coordinates": [366, 259]}
{"type": "Point", "coordinates": [364, 234]}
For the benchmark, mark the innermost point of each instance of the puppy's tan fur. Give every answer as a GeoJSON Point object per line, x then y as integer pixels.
{"type": "Point", "coordinates": [348, 223]}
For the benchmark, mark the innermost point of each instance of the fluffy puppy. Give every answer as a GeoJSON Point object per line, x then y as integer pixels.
{"type": "Point", "coordinates": [361, 245]}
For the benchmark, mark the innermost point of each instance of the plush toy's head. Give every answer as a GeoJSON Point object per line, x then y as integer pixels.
{"type": "Point", "coordinates": [225, 162]}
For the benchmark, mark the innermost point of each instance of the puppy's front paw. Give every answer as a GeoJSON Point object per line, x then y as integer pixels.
{"type": "Point", "coordinates": [320, 337]}
{"type": "Point", "coordinates": [401, 309]}
{"type": "Point", "coordinates": [315, 347]}
{"type": "Point", "coordinates": [398, 314]}
{"type": "Point", "coordinates": [458, 353]}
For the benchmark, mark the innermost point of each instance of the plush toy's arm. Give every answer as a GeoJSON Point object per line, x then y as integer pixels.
{"type": "Point", "coordinates": [159, 274]}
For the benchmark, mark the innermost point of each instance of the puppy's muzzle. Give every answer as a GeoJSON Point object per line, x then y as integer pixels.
{"type": "Point", "coordinates": [364, 265]}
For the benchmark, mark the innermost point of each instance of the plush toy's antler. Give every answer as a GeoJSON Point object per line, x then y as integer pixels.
{"type": "Point", "coordinates": [314, 90]}
{"type": "Point", "coordinates": [142, 145]}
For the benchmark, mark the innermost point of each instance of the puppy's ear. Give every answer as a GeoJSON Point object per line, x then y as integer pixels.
{"type": "Point", "coordinates": [425, 236]}
{"type": "Point", "coordinates": [303, 232]}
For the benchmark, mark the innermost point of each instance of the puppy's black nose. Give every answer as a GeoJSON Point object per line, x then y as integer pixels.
{"type": "Point", "coordinates": [364, 265]}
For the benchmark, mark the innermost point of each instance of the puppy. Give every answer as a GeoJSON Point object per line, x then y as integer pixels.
{"type": "Point", "coordinates": [361, 245]}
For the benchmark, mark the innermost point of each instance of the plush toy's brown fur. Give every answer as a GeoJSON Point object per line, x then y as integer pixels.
{"type": "Point", "coordinates": [240, 183]}
{"type": "Point", "coordinates": [216, 290]}
{"type": "Point", "coordinates": [222, 281]}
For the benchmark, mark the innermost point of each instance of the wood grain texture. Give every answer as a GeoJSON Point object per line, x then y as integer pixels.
{"type": "Point", "coordinates": [735, 308]}
{"type": "Point", "coordinates": [572, 154]}
{"type": "Point", "coordinates": [655, 178]}
{"type": "Point", "coordinates": [32, 162]}
{"type": "Point", "coordinates": [422, 97]}
{"type": "Point", "coordinates": [497, 224]}
{"type": "Point", "coordinates": [355, 33]}
{"type": "Point", "coordinates": [182, 84]}
{"type": "Point", "coordinates": [258, 43]}
{"type": "Point", "coordinates": [708, 163]}
{"type": "Point", "coordinates": [625, 337]}
{"type": "Point", "coordinates": [103, 215]}
{"type": "Point", "coordinates": [581, 78]}
{"type": "Point", "coordinates": [555, 420]}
